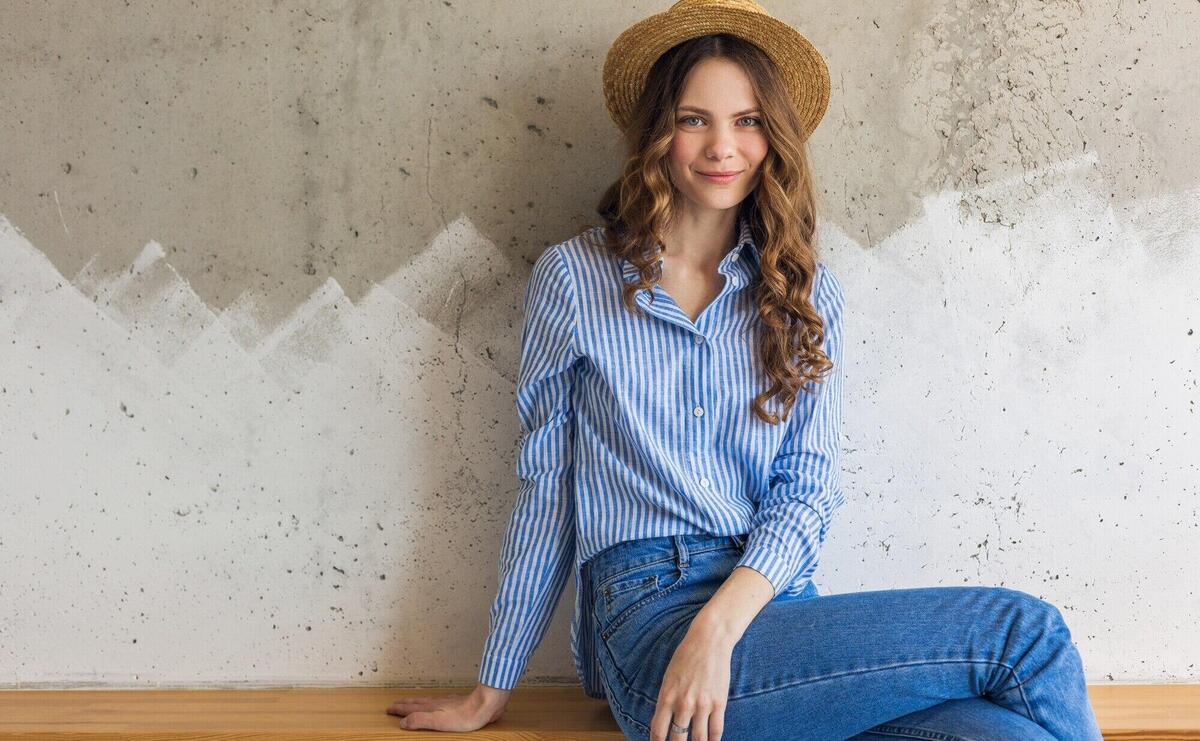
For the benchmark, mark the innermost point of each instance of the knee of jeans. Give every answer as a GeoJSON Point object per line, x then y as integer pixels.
{"type": "Point", "coordinates": [1037, 611]}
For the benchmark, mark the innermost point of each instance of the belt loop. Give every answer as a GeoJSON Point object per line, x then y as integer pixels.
{"type": "Point", "coordinates": [681, 551]}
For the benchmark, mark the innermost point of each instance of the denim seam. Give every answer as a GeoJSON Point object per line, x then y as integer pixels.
{"type": "Point", "coordinates": [625, 681]}
{"type": "Point", "coordinates": [608, 579]}
{"type": "Point", "coordinates": [614, 705]}
{"type": "Point", "coordinates": [633, 690]}
{"type": "Point", "coordinates": [640, 582]}
{"type": "Point", "coordinates": [911, 732]}
{"type": "Point", "coordinates": [629, 688]}
{"type": "Point", "coordinates": [638, 606]}
{"type": "Point", "coordinates": [636, 722]}
{"type": "Point", "coordinates": [1019, 685]}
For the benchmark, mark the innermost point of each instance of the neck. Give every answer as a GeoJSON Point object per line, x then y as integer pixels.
{"type": "Point", "coordinates": [700, 239]}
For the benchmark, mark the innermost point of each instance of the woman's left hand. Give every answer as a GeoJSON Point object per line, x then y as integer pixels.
{"type": "Point", "coordinates": [694, 689]}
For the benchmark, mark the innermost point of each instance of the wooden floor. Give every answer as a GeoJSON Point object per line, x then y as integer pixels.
{"type": "Point", "coordinates": [1160, 712]}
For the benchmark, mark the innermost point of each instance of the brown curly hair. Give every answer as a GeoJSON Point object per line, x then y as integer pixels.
{"type": "Point", "coordinates": [781, 212]}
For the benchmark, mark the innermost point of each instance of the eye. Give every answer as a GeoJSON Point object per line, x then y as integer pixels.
{"type": "Point", "coordinates": [757, 121]}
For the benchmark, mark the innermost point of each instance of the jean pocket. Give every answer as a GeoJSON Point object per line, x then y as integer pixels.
{"type": "Point", "coordinates": [618, 587]}
{"type": "Point", "coordinates": [622, 597]}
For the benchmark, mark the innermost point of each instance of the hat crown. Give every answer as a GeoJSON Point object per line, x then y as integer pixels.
{"type": "Point", "coordinates": [749, 5]}
{"type": "Point", "coordinates": [635, 50]}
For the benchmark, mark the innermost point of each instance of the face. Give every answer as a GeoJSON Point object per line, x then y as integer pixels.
{"type": "Point", "coordinates": [718, 128]}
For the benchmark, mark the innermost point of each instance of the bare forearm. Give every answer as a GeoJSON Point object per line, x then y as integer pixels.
{"type": "Point", "coordinates": [734, 606]}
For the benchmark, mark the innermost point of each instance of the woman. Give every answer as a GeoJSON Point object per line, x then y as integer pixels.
{"type": "Point", "coordinates": [680, 397]}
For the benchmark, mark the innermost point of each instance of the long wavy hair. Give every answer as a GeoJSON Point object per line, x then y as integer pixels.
{"type": "Point", "coordinates": [781, 211]}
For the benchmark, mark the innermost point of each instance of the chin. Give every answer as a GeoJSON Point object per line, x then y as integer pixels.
{"type": "Point", "coordinates": [725, 201]}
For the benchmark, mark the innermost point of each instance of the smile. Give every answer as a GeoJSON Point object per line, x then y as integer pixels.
{"type": "Point", "coordinates": [720, 178]}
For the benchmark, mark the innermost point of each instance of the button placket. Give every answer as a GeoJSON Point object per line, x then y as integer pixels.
{"type": "Point", "coordinates": [698, 413]}
{"type": "Point", "coordinates": [701, 370]}
{"type": "Point", "coordinates": [700, 442]}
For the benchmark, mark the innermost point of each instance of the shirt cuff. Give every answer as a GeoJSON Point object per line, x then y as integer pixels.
{"type": "Point", "coordinates": [779, 559]}
{"type": "Point", "coordinates": [501, 672]}
{"type": "Point", "coordinates": [768, 563]}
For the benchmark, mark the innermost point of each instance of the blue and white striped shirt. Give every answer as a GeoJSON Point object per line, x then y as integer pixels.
{"type": "Point", "coordinates": [641, 426]}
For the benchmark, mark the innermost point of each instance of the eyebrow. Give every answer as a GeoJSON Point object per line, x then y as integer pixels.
{"type": "Point", "coordinates": [709, 113]}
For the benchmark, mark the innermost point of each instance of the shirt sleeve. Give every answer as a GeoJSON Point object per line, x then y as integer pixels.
{"type": "Point", "coordinates": [790, 521]}
{"type": "Point", "coordinates": [539, 545]}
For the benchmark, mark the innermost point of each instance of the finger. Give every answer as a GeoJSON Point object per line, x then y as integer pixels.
{"type": "Point", "coordinates": [716, 723]}
{"type": "Point", "coordinates": [420, 719]}
{"type": "Point", "coordinates": [659, 723]}
{"type": "Point", "coordinates": [699, 724]}
{"type": "Point", "coordinates": [682, 721]}
{"type": "Point", "coordinates": [682, 718]}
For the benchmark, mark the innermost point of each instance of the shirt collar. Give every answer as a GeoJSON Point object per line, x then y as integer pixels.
{"type": "Point", "coordinates": [745, 242]}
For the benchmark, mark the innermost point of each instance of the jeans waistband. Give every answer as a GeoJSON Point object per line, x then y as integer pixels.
{"type": "Point", "coordinates": [631, 554]}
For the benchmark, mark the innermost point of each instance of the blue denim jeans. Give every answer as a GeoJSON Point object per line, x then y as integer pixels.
{"type": "Point", "coordinates": [970, 663]}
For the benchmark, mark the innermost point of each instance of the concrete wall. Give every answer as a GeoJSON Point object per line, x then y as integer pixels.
{"type": "Point", "coordinates": [260, 279]}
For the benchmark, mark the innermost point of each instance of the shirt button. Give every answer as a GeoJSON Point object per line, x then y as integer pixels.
{"type": "Point", "coordinates": [698, 411]}
{"type": "Point", "coordinates": [734, 256]}
{"type": "Point", "coordinates": [704, 482]}
{"type": "Point", "coordinates": [699, 339]}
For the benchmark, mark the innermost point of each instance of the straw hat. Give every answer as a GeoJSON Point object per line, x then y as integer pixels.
{"type": "Point", "coordinates": [636, 49]}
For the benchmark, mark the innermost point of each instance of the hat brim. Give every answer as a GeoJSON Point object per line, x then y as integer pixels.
{"type": "Point", "coordinates": [631, 56]}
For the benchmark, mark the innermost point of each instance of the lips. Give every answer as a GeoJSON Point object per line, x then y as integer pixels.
{"type": "Point", "coordinates": [720, 177]}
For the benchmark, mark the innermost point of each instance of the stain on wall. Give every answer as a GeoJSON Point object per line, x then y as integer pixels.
{"type": "Point", "coordinates": [198, 497]}
{"type": "Point", "coordinates": [261, 270]}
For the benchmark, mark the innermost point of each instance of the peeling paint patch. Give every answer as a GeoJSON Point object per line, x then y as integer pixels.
{"type": "Point", "coordinates": [206, 456]}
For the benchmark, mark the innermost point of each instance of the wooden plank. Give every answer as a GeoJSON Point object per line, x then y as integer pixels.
{"type": "Point", "coordinates": [1144, 712]}
{"type": "Point", "coordinates": [324, 714]}
{"type": "Point", "coordinates": [1162, 712]}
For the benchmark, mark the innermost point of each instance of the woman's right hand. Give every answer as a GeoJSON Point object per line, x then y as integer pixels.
{"type": "Point", "coordinates": [459, 713]}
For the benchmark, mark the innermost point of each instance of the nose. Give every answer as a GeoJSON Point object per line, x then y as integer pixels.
{"type": "Point", "coordinates": [721, 144]}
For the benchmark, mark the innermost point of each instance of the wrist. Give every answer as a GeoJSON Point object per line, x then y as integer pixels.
{"type": "Point", "coordinates": [729, 612]}
{"type": "Point", "coordinates": [490, 698]}
{"type": "Point", "coordinates": [717, 629]}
